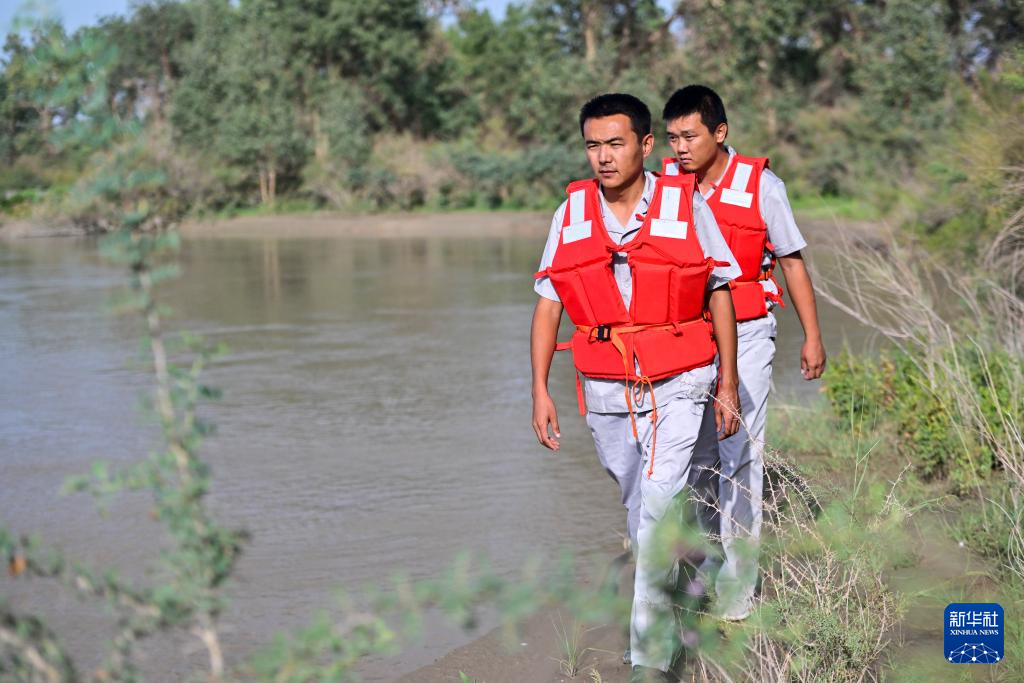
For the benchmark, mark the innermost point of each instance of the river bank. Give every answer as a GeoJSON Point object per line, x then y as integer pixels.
{"type": "Point", "coordinates": [534, 653]}
{"type": "Point", "coordinates": [321, 225]}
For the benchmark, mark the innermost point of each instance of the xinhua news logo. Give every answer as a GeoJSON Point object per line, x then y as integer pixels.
{"type": "Point", "coordinates": [974, 633]}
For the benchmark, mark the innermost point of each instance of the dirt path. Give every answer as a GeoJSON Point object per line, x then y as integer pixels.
{"type": "Point", "coordinates": [944, 572]}
{"type": "Point", "coordinates": [534, 654]}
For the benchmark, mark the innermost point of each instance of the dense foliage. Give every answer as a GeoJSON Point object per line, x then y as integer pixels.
{"type": "Point", "coordinates": [403, 103]}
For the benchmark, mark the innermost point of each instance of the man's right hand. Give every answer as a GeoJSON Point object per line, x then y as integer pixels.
{"type": "Point", "coordinates": [544, 414]}
{"type": "Point", "coordinates": [543, 334]}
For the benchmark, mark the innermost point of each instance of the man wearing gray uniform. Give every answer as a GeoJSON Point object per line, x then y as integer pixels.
{"type": "Point", "coordinates": [647, 421]}
{"type": "Point", "coordinates": [753, 212]}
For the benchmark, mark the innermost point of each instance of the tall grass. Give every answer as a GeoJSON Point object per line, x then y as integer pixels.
{"type": "Point", "coordinates": [962, 329]}
{"type": "Point", "coordinates": [570, 645]}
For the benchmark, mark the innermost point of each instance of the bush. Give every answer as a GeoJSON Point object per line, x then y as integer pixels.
{"type": "Point", "coordinates": [149, 177]}
{"type": "Point", "coordinates": [19, 202]}
{"type": "Point", "coordinates": [533, 178]}
{"type": "Point", "coordinates": [893, 390]}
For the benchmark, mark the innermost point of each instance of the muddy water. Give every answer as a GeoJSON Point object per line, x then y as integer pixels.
{"type": "Point", "coordinates": [375, 420]}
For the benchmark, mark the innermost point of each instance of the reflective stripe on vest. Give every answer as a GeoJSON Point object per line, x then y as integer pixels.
{"type": "Point", "coordinates": [737, 193]}
{"type": "Point", "coordinates": [576, 225]}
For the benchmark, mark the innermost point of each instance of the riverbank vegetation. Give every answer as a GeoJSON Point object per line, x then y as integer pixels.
{"type": "Point", "coordinates": [945, 401]}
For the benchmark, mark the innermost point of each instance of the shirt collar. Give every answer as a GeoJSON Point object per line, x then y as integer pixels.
{"type": "Point", "coordinates": [648, 195]}
{"type": "Point", "coordinates": [611, 222]}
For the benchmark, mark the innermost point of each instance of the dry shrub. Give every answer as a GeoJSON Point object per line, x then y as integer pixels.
{"type": "Point", "coordinates": [934, 311]}
{"type": "Point", "coordinates": [405, 173]}
{"type": "Point", "coordinates": [826, 613]}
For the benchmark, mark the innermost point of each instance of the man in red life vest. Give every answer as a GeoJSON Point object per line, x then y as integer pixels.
{"type": "Point", "coordinates": [637, 262]}
{"type": "Point", "coordinates": [753, 212]}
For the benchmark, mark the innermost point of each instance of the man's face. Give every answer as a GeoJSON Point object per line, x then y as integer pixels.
{"type": "Point", "coordinates": [615, 153]}
{"type": "Point", "coordinates": [693, 145]}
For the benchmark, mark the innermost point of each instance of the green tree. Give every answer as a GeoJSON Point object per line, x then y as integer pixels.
{"type": "Point", "coordinates": [259, 127]}
{"type": "Point", "coordinates": [148, 65]}
{"type": "Point", "coordinates": [905, 68]}
{"type": "Point", "coordinates": [389, 49]}
{"type": "Point", "coordinates": [36, 96]}
{"type": "Point", "coordinates": [198, 100]}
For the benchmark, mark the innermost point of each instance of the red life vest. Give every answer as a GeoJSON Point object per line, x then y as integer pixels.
{"type": "Point", "coordinates": [735, 204]}
{"type": "Point", "coordinates": [665, 329]}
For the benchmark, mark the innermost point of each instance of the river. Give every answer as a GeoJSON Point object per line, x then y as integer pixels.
{"type": "Point", "coordinates": [375, 420]}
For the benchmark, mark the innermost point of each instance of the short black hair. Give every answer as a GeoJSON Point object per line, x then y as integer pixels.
{"type": "Point", "coordinates": [614, 103]}
{"type": "Point", "coordinates": [696, 98]}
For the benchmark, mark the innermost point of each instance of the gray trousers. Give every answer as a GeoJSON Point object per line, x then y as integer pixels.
{"type": "Point", "coordinates": [741, 476]}
{"type": "Point", "coordinates": [684, 463]}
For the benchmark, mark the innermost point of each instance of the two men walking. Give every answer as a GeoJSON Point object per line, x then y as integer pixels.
{"type": "Point", "coordinates": [653, 272]}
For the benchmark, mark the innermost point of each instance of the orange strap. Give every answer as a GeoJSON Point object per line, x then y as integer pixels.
{"type": "Point", "coordinates": [777, 298]}
{"type": "Point", "coordinates": [635, 393]}
{"type": "Point", "coordinates": [580, 401]}
{"type": "Point", "coordinates": [766, 276]}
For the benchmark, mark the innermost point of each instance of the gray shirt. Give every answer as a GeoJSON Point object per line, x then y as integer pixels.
{"type": "Point", "coordinates": [607, 395]}
{"type": "Point", "coordinates": [784, 235]}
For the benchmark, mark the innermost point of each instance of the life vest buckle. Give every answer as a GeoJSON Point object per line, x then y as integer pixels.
{"type": "Point", "coordinates": [603, 333]}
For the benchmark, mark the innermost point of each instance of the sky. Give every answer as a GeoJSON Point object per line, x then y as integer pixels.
{"type": "Point", "coordinates": [74, 13]}
{"type": "Point", "coordinates": [78, 13]}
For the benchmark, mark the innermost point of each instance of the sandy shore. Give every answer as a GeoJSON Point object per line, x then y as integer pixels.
{"type": "Point", "coordinates": [458, 224]}
{"type": "Point", "coordinates": [534, 655]}
{"type": "Point", "coordinates": [28, 229]}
